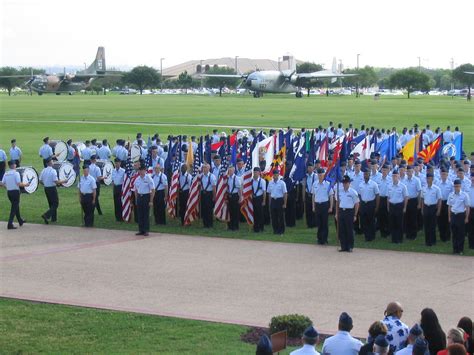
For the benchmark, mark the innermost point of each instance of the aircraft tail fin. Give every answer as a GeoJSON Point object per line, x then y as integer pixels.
{"type": "Point", "coordinates": [334, 70]}
{"type": "Point", "coordinates": [290, 63]}
{"type": "Point", "coordinates": [98, 65]}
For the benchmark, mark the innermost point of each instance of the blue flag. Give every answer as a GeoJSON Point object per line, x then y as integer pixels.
{"type": "Point", "coordinates": [458, 146]}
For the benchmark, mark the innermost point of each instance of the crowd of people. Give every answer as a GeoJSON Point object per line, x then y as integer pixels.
{"type": "Point", "coordinates": [306, 176]}
{"type": "Point", "coordinates": [387, 336]}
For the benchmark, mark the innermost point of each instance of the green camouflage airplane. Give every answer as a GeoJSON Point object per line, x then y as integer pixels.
{"type": "Point", "coordinates": [68, 83]}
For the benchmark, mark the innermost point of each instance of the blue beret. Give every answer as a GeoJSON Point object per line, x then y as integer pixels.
{"type": "Point", "coordinates": [457, 182]}
{"type": "Point", "coordinates": [381, 341]}
{"type": "Point", "coordinates": [93, 157]}
{"type": "Point", "coordinates": [365, 170]}
{"type": "Point", "coordinates": [310, 333]}
{"type": "Point", "coordinates": [117, 160]}
{"type": "Point", "coordinates": [344, 318]}
{"type": "Point", "coordinates": [416, 330]}
{"type": "Point", "coordinates": [429, 175]}
{"type": "Point", "coordinates": [346, 178]}
{"type": "Point", "coordinates": [395, 172]}
{"type": "Point", "coordinates": [276, 172]}
{"type": "Point", "coordinates": [256, 169]}
{"type": "Point", "coordinates": [264, 345]}
{"type": "Point", "coordinates": [420, 347]}
{"type": "Point", "coordinates": [320, 171]}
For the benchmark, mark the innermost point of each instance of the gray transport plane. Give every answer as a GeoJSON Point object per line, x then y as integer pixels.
{"type": "Point", "coordinates": [282, 81]}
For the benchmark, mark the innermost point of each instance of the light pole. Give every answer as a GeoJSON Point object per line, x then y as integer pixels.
{"type": "Point", "coordinates": [419, 64]}
{"type": "Point", "coordinates": [236, 67]}
{"type": "Point", "coordinates": [201, 71]}
{"type": "Point", "coordinates": [161, 74]}
{"type": "Point", "coordinates": [279, 61]}
{"type": "Point", "coordinates": [85, 66]}
{"type": "Point", "coordinates": [452, 68]}
{"type": "Point", "coordinates": [357, 84]}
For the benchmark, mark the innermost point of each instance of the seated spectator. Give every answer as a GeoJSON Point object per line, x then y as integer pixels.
{"type": "Point", "coordinates": [420, 347]}
{"type": "Point", "coordinates": [381, 345]}
{"type": "Point", "coordinates": [264, 346]}
{"type": "Point", "coordinates": [375, 329]}
{"type": "Point", "coordinates": [456, 349]}
{"type": "Point", "coordinates": [434, 335]}
{"type": "Point", "coordinates": [455, 336]}
{"type": "Point", "coordinates": [310, 339]}
{"type": "Point", "coordinates": [397, 330]}
{"type": "Point", "coordinates": [415, 333]}
{"type": "Point", "coordinates": [342, 343]}
{"type": "Point", "coordinates": [465, 323]}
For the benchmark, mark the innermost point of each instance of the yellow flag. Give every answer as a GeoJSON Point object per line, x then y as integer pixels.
{"type": "Point", "coordinates": [408, 151]}
{"type": "Point", "coordinates": [190, 155]}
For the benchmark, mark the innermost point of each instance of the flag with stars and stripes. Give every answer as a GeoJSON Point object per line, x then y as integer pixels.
{"type": "Point", "coordinates": [246, 206]}
{"type": "Point", "coordinates": [192, 206]}
{"type": "Point", "coordinates": [174, 186]}
{"type": "Point", "coordinates": [221, 210]}
{"type": "Point", "coordinates": [127, 189]}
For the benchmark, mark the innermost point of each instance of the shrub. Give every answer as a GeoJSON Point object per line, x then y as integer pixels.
{"type": "Point", "coordinates": [294, 324]}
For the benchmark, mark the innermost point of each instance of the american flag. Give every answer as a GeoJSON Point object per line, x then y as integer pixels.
{"type": "Point", "coordinates": [174, 186]}
{"type": "Point", "coordinates": [246, 206]}
{"type": "Point", "coordinates": [220, 209]}
{"type": "Point", "coordinates": [148, 163]}
{"type": "Point", "coordinates": [127, 187]}
{"type": "Point", "coordinates": [192, 206]}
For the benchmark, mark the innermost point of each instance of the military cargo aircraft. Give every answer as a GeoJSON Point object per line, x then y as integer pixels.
{"type": "Point", "coordinates": [68, 83]}
{"type": "Point", "coordinates": [282, 81]}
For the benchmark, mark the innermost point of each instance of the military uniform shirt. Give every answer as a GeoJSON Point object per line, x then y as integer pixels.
{"type": "Point", "coordinates": [216, 170]}
{"type": "Point", "coordinates": [86, 184]}
{"type": "Point", "coordinates": [384, 184]}
{"type": "Point", "coordinates": [15, 153]}
{"type": "Point", "coordinates": [458, 201]}
{"type": "Point", "coordinates": [322, 191]}
{"type": "Point", "coordinates": [471, 198]}
{"type": "Point", "coordinates": [258, 187]}
{"type": "Point", "coordinates": [234, 184]}
{"type": "Point", "coordinates": [104, 152]}
{"type": "Point", "coordinates": [276, 189]}
{"type": "Point", "coordinates": [118, 176]}
{"type": "Point", "coordinates": [347, 198]}
{"type": "Point", "coordinates": [413, 186]}
{"type": "Point", "coordinates": [446, 188]}
{"type": "Point", "coordinates": [144, 185]}
{"type": "Point", "coordinates": [208, 181]}
{"type": "Point", "coordinates": [310, 179]}
{"type": "Point", "coordinates": [368, 191]}
{"type": "Point", "coordinates": [11, 179]}
{"type": "Point", "coordinates": [160, 181]}
{"type": "Point", "coordinates": [431, 195]}
{"type": "Point", "coordinates": [86, 153]}
{"type": "Point", "coordinates": [94, 171]}
{"type": "Point", "coordinates": [156, 161]}
{"type": "Point", "coordinates": [48, 176]}
{"type": "Point", "coordinates": [70, 153]}
{"type": "Point", "coordinates": [397, 193]}
{"type": "Point", "coordinates": [465, 184]}
{"type": "Point", "coordinates": [46, 151]}
{"type": "Point", "coordinates": [185, 181]}
{"type": "Point", "coordinates": [357, 178]}
{"type": "Point", "coordinates": [3, 156]}
{"type": "Point", "coordinates": [376, 177]}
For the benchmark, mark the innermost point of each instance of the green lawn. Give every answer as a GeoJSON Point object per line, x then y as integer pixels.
{"type": "Point", "coordinates": [28, 120]}
{"type": "Point", "coordinates": [29, 327]}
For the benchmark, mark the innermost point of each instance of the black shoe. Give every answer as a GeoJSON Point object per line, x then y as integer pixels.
{"type": "Point", "coordinates": [44, 219]}
{"type": "Point", "coordinates": [11, 227]}
{"type": "Point", "coordinates": [145, 234]}
{"type": "Point", "coordinates": [22, 222]}
{"type": "Point", "coordinates": [139, 233]}
{"type": "Point", "coordinates": [341, 250]}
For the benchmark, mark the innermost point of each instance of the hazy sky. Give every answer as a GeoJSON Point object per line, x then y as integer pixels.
{"type": "Point", "coordinates": [385, 32]}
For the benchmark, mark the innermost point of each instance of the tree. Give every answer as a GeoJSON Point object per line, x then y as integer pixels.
{"type": "Point", "coordinates": [366, 77]}
{"type": "Point", "coordinates": [9, 83]}
{"type": "Point", "coordinates": [464, 78]}
{"type": "Point", "coordinates": [185, 81]}
{"type": "Point", "coordinates": [410, 79]}
{"type": "Point", "coordinates": [143, 77]}
{"type": "Point", "coordinates": [107, 82]}
{"type": "Point", "coordinates": [220, 83]}
{"type": "Point", "coordinates": [308, 67]}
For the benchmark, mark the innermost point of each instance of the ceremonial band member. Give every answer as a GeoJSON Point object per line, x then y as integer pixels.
{"type": "Point", "coordinates": [3, 163]}
{"type": "Point", "coordinates": [369, 205]}
{"type": "Point", "coordinates": [396, 205]}
{"type": "Point", "coordinates": [308, 183]}
{"type": "Point", "coordinates": [208, 195]}
{"type": "Point", "coordinates": [49, 179]}
{"type": "Point", "coordinates": [277, 198]}
{"type": "Point", "coordinates": [234, 187]}
{"type": "Point", "coordinates": [11, 180]}
{"type": "Point", "coordinates": [258, 200]}
{"type": "Point", "coordinates": [413, 186]}
{"type": "Point", "coordinates": [431, 208]}
{"type": "Point", "coordinates": [470, 231]}
{"type": "Point", "coordinates": [95, 172]}
{"type": "Point", "coordinates": [161, 195]}
{"type": "Point", "coordinates": [347, 207]}
{"type": "Point", "coordinates": [323, 201]}
{"type": "Point", "coordinates": [15, 153]}
{"type": "Point", "coordinates": [185, 180]}
{"type": "Point", "coordinates": [118, 175]}
{"type": "Point", "coordinates": [144, 195]}
{"type": "Point", "coordinates": [87, 193]}
{"type": "Point", "coordinates": [46, 151]}
{"type": "Point", "coordinates": [446, 187]}
{"type": "Point", "coordinates": [458, 214]}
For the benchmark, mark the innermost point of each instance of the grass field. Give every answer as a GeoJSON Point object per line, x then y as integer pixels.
{"type": "Point", "coordinates": [29, 119]}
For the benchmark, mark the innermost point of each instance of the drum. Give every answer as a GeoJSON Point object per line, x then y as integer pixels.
{"type": "Point", "coordinates": [29, 175]}
{"type": "Point", "coordinates": [59, 149]}
{"type": "Point", "coordinates": [65, 171]}
{"type": "Point", "coordinates": [80, 146]}
{"type": "Point", "coordinates": [135, 153]}
{"type": "Point", "coordinates": [106, 167]}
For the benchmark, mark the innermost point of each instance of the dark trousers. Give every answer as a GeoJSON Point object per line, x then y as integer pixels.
{"type": "Point", "coordinates": [97, 204]}
{"type": "Point", "coordinates": [276, 211]}
{"type": "Point", "coordinates": [88, 209]}
{"type": "Point", "coordinates": [367, 219]}
{"type": "Point", "coordinates": [396, 222]}
{"type": "Point", "coordinates": [308, 206]}
{"type": "Point", "coordinates": [443, 224]}
{"type": "Point", "coordinates": [53, 203]}
{"type": "Point", "coordinates": [44, 163]}
{"type": "Point", "coordinates": [458, 231]}
{"type": "Point", "coordinates": [321, 216]}
{"type": "Point", "coordinates": [470, 228]}
{"type": "Point", "coordinates": [118, 202]}
{"type": "Point", "coordinates": [14, 197]}
{"type": "Point", "coordinates": [266, 214]}
{"type": "Point", "coordinates": [234, 212]}
{"type": "Point", "coordinates": [159, 207]}
{"type": "Point", "coordinates": [207, 206]}
{"type": "Point", "coordinates": [429, 224]}
{"type": "Point", "coordinates": [299, 203]}
{"type": "Point", "coordinates": [143, 212]}
{"type": "Point", "coordinates": [258, 220]}
{"type": "Point", "coordinates": [411, 219]}
{"type": "Point", "coordinates": [2, 169]}
{"type": "Point", "coordinates": [382, 218]}
{"type": "Point", "coordinates": [290, 212]}
{"type": "Point", "coordinates": [345, 228]}
{"type": "Point", "coordinates": [183, 201]}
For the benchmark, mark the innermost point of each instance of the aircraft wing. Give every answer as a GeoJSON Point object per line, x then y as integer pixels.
{"type": "Point", "coordinates": [95, 75]}
{"type": "Point", "coordinates": [15, 76]}
{"type": "Point", "coordinates": [469, 72]}
{"type": "Point", "coordinates": [323, 75]}
{"type": "Point", "coordinates": [234, 76]}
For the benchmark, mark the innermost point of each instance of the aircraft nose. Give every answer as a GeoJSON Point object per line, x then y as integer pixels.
{"type": "Point", "coordinates": [248, 82]}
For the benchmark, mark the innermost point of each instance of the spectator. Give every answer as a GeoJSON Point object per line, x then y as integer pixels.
{"type": "Point", "coordinates": [432, 329]}
{"type": "Point", "coordinates": [264, 346]}
{"type": "Point", "coordinates": [342, 343]}
{"type": "Point", "coordinates": [455, 336]}
{"type": "Point", "coordinates": [310, 339]}
{"type": "Point", "coordinates": [420, 347]}
{"type": "Point", "coordinates": [377, 328]}
{"type": "Point", "coordinates": [465, 323]}
{"type": "Point", "coordinates": [381, 345]}
{"type": "Point", "coordinates": [456, 349]}
{"type": "Point", "coordinates": [415, 333]}
{"type": "Point", "coordinates": [397, 330]}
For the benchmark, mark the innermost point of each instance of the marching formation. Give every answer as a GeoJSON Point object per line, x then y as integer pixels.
{"type": "Point", "coordinates": [370, 179]}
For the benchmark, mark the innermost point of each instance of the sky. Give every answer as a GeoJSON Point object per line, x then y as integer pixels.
{"type": "Point", "coordinates": [385, 33]}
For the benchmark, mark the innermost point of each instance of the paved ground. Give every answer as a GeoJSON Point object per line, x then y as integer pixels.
{"type": "Point", "coordinates": [235, 281]}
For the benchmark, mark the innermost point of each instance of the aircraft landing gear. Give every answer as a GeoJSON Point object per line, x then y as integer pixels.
{"type": "Point", "coordinates": [299, 94]}
{"type": "Point", "coordinates": [58, 93]}
{"type": "Point", "coordinates": [256, 94]}
{"type": "Point", "coordinates": [40, 93]}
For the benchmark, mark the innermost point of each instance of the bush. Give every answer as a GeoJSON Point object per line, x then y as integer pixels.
{"type": "Point", "coordinates": [294, 324]}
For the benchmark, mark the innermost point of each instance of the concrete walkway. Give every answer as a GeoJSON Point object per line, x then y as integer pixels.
{"type": "Point", "coordinates": [224, 280]}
